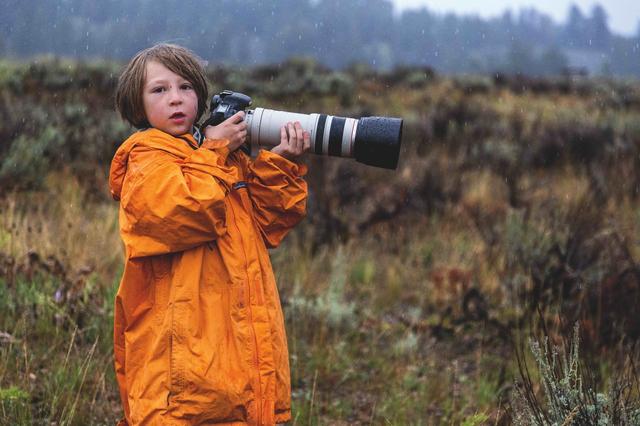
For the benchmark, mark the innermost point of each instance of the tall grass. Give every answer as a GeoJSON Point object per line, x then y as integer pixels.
{"type": "Point", "coordinates": [61, 262]}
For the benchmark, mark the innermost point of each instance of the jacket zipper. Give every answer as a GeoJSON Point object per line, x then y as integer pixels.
{"type": "Point", "coordinates": [256, 357]}
{"type": "Point", "coordinates": [171, 360]}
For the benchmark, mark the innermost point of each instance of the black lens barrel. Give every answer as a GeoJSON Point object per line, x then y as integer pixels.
{"type": "Point", "coordinates": [377, 141]}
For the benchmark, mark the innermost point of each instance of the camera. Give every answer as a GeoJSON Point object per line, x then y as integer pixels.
{"type": "Point", "coordinates": [374, 141]}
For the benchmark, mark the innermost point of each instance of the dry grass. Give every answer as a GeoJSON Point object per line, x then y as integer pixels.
{"type": "Point", "coordinates": [62, 222]}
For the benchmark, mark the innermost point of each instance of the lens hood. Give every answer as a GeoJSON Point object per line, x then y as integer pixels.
{"type": "Point", "coordinates": [377, 141]}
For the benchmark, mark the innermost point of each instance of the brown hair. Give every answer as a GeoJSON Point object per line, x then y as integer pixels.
{"type": "Point", "coordinates": [178, 59]}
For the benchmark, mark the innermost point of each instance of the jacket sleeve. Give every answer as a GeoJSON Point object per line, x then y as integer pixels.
{"type": "Point", "coordinates": [278, 193]}
{"type": "Point", "coordinates": [171, 204]}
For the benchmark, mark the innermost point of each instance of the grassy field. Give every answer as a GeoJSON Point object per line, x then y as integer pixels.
{"type": "Point", "coordinates": [410, 296]}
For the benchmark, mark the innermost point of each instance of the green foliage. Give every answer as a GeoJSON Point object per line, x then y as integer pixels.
{"type": "Point", "coordinates": [568, 398]}
{"type": "Point", "coordinates": [527, 243]}
{"type": "Point", "coordinates": [14, 406]}
{"type": "Point", "coordinates": [56, 115]}
{"type": "Point", "coordinates": [60, 358]}
{"type": "Point", "coordinates": [29, 160]}
{"type": "Point", "coordinates": [363, 272]}
{"type": "Point", "coordinates": [331, 307]}
{"type": "Point", "coordinates": [11, 76]}
{"type": "Point", "coordinates": [475, 420]}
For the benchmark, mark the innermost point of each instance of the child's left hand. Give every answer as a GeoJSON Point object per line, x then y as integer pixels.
{"type": "Point", "coordinates": [294, 141]}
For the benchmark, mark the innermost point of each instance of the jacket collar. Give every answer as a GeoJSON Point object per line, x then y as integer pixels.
{"type": "Point", "coordinates": [150, 138]}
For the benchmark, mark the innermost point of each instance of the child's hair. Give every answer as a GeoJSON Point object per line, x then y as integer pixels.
{"type": "Point", "coordinates": [178, 59]}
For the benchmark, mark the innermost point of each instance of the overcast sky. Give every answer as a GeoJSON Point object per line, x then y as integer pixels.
{"type": "Point", "coordinates": [623, 14]}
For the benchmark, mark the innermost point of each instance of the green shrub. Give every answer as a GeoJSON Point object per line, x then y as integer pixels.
{"type": "Point", "coordinates": [28, 160]}
{"type": "Point", "coordinates": [14, 406]}
{"type": "Point", "coordinates": [569, 398]}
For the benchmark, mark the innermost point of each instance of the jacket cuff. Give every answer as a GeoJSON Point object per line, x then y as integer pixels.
{"type": "Point", "coordinates": [271, 159]}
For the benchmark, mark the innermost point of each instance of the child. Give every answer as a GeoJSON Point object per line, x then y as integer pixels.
{"type": "Point", "coordinates": [199, 333]}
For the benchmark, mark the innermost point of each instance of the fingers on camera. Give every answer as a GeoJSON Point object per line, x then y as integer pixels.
{"type": "Point", "coordinates": [295, 137]}
{"type": "Point", "coordinates": [307, 141]}
{"type": "Point", "coordinates": [238, 117]}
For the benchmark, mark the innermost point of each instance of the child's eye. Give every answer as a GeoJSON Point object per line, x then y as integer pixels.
{"type": "Point", "coordinates": [186, 87]}
{"type": "Point", "coordinates": [157, 90]}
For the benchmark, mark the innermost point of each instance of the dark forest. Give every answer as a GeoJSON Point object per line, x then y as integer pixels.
{"type": "Point", "coordinates": [336, 33]}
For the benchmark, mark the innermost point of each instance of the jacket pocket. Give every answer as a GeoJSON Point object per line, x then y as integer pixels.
{"type": "Point", "coordinates": [216, 375]}
{"type": "Point", "coordinates": [215, 273]}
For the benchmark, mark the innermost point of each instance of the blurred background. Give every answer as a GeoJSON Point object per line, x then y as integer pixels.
{"type": "Point", "coordinates": [509, 36]}
{"type": "Point", "coordinates": [490, 279]}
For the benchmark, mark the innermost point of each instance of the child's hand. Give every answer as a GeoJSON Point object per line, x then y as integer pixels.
{"type": "Point", "coordinates": [293, 141]}
{"type": "Point", "coordinates": [233, 128]}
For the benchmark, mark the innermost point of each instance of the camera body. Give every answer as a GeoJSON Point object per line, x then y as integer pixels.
{"type": "Point", "coordinates": [374, 141]}
{"type": "Point", "coordinates": [224, 105]}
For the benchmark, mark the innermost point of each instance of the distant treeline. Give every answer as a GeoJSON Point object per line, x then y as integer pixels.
{"type": "Point", "coordinates": [335, 32]}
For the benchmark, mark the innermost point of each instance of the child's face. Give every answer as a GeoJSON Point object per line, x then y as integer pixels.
{"type": "Point", "coordinates": [170, 103]}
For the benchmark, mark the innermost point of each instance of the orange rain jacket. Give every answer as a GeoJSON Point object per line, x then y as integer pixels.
{"type": "Point", "coordinates": [199, 333]}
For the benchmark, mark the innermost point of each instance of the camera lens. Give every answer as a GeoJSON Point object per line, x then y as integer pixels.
{"type": "Point", "coordinates": [374, 141]}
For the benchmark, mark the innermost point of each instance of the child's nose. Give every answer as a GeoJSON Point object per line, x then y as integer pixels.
{"type": "Point", "coordinates": [175, 96]}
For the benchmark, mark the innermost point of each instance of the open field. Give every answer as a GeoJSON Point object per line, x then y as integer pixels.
{"type": "Point", "coordinates": [408, 294]}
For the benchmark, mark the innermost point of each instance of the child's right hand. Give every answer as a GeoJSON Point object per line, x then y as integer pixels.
{"type": "Point", "coordinates": [234, 129]}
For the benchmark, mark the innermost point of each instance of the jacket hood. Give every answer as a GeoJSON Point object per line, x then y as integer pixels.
{"type": "Point", "coordinates": [180, 146]}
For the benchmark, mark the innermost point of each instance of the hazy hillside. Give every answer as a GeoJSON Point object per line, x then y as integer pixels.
{"type": "Point", "coordinates": [335, 32]}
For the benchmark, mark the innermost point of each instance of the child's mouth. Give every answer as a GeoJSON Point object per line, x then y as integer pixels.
{"type": "Point", "coordinates": [178, 117]}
